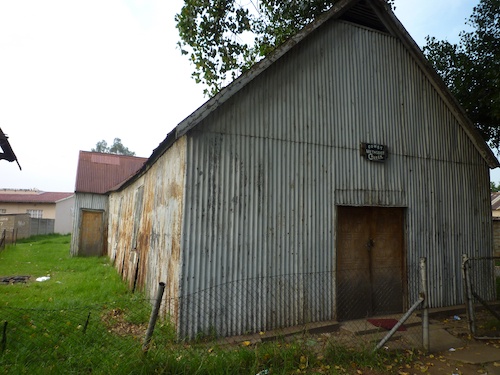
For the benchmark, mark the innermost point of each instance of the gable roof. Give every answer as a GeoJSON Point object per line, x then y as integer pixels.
{"type": "Point", "coordinates": [375, 14]}
{"type": "Point", "coordinates": [98, 173]}
{"type": "Point", "coordinates": [35, 197]}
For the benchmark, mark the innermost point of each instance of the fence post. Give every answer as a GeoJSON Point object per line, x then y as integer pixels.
{"type": "Point", "coordinates": [469, 304]}
{"type": "Point", "coordinates": [86, 324]}
{"type": "Point", "coordinates": [2, 239]}
{"type": "Point", "coordinates": [154, 316]}
{"type": "Point", "coordinates": [400, 322]}
{"type": "Point", "coordinates": [425, 304]}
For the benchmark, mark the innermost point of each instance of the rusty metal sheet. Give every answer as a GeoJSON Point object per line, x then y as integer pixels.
{"type": "Point", "coordinates": [98, 172]}
{"type": "Point", "coordinates": [145, 221]}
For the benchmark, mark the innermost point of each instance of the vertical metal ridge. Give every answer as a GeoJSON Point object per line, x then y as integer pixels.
{"type": "Point", "coordinates": [266, 171]}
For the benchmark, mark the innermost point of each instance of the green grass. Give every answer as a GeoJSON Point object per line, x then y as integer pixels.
{"type": "Point", "coordinates": [72, 280]}
{"type": "Point", "coordinates": [84, 320]}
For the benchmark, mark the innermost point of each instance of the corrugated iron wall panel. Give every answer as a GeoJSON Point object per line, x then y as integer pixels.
{"type": "Point", "coordinates": [153, 224]}
{"type": "Point", "coordinates": [266, 171]}
{"type": "Point", "coordinates": [251, 228]}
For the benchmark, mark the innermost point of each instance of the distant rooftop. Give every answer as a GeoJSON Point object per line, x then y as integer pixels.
{"type": "Point", "coordinates": [31, 196]}
{"type": "Point", "coordinates": [99, 173]}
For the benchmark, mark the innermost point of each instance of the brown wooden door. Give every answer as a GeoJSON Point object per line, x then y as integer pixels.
{"type": "Point", "coordinates": [92, 233]}
{"type": "Point", "coordinates": [370, 258]}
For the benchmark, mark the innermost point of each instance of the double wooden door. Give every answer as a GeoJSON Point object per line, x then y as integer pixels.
{"type": "Point", "coordinates": [370, 261]}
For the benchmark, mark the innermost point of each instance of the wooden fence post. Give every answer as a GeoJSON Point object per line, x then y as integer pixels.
{"type": "Point", "coordinates": [154, 317]}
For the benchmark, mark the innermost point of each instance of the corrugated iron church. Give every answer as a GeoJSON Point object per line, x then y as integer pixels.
{"type": "Point", "coordinates": [309, 188]}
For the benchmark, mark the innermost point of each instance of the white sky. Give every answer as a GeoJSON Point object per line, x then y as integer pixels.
{"type": "Point", "coordinates": [74, 72]}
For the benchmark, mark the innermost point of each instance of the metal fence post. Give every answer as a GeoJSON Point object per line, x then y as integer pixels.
{"type": "Point", "coordinates": [425, 304]}
{"type": "Point", "coordinates": [154, 316]}
{"type": "Point", "coordinates": [400, 322]}
{"type": "Point", "coordinates": [469, 302]}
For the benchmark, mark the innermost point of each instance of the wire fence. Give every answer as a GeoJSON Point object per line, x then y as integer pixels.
{"type": "Point", "coordinates": [482, 295]}
{"type": "Point", "coordinates": [82, 334]}
{"type": "Point", "coordinates": [354, 311]}
{"type": "Point", "coordinates": [83, 337]}
{"type": "Point", "coordinates": [7, 237]}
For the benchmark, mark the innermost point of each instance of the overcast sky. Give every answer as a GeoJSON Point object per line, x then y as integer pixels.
{"type": "Point", "coordinates": [74, 72]}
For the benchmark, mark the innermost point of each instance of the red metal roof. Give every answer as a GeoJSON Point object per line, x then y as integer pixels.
{"type": "Point", "coordinates": [98, 173]}
{"type": "Point", "coordinates": [35, 197]}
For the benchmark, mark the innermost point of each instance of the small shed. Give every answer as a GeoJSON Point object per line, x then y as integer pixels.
{"type": "Point", "coordinates": [97, 173]}
{"type": "Point", "coordinates": [309, 188]}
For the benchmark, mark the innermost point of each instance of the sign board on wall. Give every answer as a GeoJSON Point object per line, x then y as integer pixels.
{"type": "Point", "coordinates": [374, 152]}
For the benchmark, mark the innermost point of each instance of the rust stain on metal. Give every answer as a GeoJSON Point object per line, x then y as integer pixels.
{"type": "Point", "coordinates": [175, 190]}
{"type": "Point", "coordinates": [146, 228]}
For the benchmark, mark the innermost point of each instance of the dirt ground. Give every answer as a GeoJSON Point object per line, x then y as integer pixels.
{"type": "Point", "coordinates": [479, 351]}
{"type": "Point", "coordinates": [482, 355]}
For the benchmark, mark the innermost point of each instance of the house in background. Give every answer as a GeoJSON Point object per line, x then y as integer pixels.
{"type": "Point", "coordinates": [97, 173]}
{"type": "Point", "coordinates": [495, 212]}
{"type": "Point", "coordinates": [309, 188]}
{"type": "Point", "coordinates": [38, 204]}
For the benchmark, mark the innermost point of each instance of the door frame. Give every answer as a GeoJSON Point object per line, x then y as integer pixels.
{"type": "Point", "coordinates": [404, 255]}
{"type": "Point", "coordinates": [103, 231]}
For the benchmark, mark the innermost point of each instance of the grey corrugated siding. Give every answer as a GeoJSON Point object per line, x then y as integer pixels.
{"type": "Point", "coordinates": [85, 201]}
{"type": "Point", "coordinates": [266, 171]}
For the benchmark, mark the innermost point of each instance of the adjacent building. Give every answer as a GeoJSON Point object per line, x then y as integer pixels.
{"type": "Point", "coordinates": [54, 206]}
{"type": "Point", "coordinates": [97, 173]}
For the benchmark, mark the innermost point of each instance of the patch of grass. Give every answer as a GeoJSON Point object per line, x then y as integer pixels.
{"type": "Point", "coordinates": [72, 280]}
{"type": "Point", "coordinates": [491, 325]}
{"type": "Point", "coordinates": [85, 320]}
{"type": "Point", "coordinates": [346, 359]}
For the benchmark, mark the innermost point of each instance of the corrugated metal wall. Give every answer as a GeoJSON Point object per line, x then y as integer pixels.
{"type": "Point", "coordinates": [85, 201]}
{"type": "Point", "coordinates": [145, 227]}
{"type": "Point", "coordinates": [266, 171]}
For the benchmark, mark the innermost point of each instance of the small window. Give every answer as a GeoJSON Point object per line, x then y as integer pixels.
{"type": "Point", "coordinates": [35, 214]}
{"type": "Point", "coordinates": [3, 210]}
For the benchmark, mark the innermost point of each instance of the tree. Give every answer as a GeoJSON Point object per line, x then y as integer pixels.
{"type": "Point", "coordinates": [223, 38]}
{"type": "Point", "coordinates": [117, 148]}
{"type": "Point", "coordinates": [494, 187]}
{"type": "Point", "coordinates": [471, 68]}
